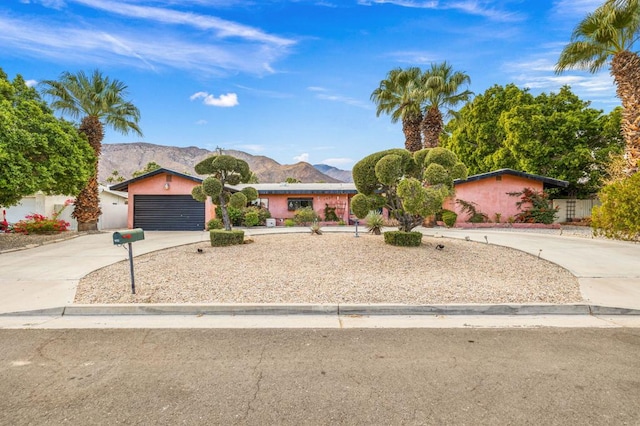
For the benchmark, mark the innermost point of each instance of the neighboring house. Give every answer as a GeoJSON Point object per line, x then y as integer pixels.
{"type": "Point", "coordinates": [161, 201]}
{"type": "Point", "coordinates": [489, 192]}
{"type": "Point", "coordinates": [283, 199]}
{"type": "Point", "coordinates": [112, 203]}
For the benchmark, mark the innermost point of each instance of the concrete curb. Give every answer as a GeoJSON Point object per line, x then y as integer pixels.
{"type": "Point", "coordinates": [327, 309]}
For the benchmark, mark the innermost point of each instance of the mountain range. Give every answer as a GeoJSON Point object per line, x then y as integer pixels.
{"type": "Point", "coordinates": [119, 161]}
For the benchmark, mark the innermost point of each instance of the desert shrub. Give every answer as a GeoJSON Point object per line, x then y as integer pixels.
{"type": "Point", "coordinates": [538, 208]}
{"type": "Point", "coordinates": [40, 224]}
{"type": "Point", "coordinates": [619, 214]}
{"type": "Point", "coordinates": [215, 224]}
{"type": "Point", "coordinates": [289, 222]}
{"type": "Point", "coordinates": [375, 222]}
{"type": "Point", "coordinates": [221, 238]}
{"type": "Point", "coordinates": [251, 218]}
{"type": "Point", "coordinates": [449, 217]}
{"type": "Point", "coordinates": [403, 239]}
{"type": "Point", "coordinates": [315, 228]}
{"type": "Point", "coordinates": [236, 215]}
{"type": "Point", "coordinates": [471, 209]}
{"type": "Point", "coordinates": [305, 216]}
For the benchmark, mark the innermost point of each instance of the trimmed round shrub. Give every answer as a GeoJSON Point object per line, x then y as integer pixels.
{"type": "Point", "coordinates": [251, 218]}
{"type": "Point", "coordinates": [403, 239]}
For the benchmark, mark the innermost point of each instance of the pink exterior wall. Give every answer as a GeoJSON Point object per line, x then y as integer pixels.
{"type": "Point", "coordinates": [154, 185]}
{"type": "Point", "coordinates": [490, 196]}
{"type": "Point", "coordinates": [279, 209]}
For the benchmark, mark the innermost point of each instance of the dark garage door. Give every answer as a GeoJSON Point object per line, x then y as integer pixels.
{"type": "Point", "coordinates": [168, 213]}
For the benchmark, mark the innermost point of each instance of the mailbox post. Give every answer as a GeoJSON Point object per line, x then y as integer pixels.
{"type": "Point", "coordinates": [128, 237]}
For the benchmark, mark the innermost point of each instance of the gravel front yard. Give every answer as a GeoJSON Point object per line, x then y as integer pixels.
{"type": "Point", "coordinates": [333, 268]}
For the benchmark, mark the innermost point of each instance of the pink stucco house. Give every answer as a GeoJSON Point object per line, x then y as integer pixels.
{"type": "Point", "coordinates": [489, 191]}
{"type": "Point", "coordinates": [161, 199]}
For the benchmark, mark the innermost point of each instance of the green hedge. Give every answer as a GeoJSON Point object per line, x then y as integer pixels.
{"type": "Point", "coordinates": [403, 239]}
{"type": "Point", "coordinates": [449, 218]}
{"type": "Point", "coordinates": [220, 238]}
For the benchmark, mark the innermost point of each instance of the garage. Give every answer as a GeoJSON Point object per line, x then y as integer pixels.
{"type": "Point", "coordinates": [168, 213]}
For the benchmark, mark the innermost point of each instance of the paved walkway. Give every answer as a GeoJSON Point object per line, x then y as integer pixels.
{"type": "Point", "coordinates": [42, 281]}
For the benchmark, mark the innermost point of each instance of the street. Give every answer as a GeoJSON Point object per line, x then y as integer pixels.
{"type": "Point", "coordinates": [320, 376]}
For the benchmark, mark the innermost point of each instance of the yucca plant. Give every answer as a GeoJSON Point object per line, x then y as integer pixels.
{"type": "Point", "coordinates": [375, 222]}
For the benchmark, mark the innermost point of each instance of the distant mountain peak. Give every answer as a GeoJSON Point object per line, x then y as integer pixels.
{"type": "Point", "coordinates": [127, 158]}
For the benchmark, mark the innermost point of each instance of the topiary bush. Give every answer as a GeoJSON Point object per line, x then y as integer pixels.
{"type": "Point", "coordinates": [221, 238]}
{"type": "Point", "coordinates": [403, 239]}
{"type": "Point", "coordinates": [619, 214]}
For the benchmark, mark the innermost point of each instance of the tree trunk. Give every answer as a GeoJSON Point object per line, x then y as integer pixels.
{"type": "Point", "coordinates": [625, 69]}
{"type": "Point", "coordinates": [225, 212]}
{"type": "Point", "coordinates": [411, 130]}
{"type": "Point", "coordinates": [432, 127]}
{"type": "Point", "coordinates": [87, 206]}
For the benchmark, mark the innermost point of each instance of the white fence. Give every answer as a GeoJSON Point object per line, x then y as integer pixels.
{"type": "Point", "coordinates": [574, 209]}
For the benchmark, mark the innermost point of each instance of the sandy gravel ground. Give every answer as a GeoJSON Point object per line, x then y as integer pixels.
{"type": "Point", "coordinates": [333, 268]}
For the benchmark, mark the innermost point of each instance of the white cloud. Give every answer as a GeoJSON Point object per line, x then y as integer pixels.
{"type": "Point", "coordinates": [250, 147]}
{"type": "Point", "coordinates": [232, 48]}
{"type": "Point", "coordinates": [575, 7]}
{"type": "Point", "coordinates": [302, 157]}
{"type": "Point", "coordinates": [223, 28]}
{"type": "Point", "coordinates": [471, 7]}
{"type": "Point", "coordinates": [31, 83]}
{"type": "Point", "coordinates": [225, 101]}
{"type": "Point", "coordinates": [338, 162]}
{"type": "Point", "coordinates": [201, 122]}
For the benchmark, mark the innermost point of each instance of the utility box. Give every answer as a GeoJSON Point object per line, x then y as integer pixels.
{"type": "Point", "coordinates": [130, 236]}
{"type": "Point", "coordinates": [271, 223]}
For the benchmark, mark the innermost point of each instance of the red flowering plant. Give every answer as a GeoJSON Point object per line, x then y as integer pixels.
{"type": "Point", "coordinates": [40, 224]}
{"type": "Point", "coordinates": [535, 207]}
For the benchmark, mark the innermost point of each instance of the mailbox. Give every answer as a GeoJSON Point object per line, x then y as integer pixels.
{"type": "Point", "coordinates": [130, 236]}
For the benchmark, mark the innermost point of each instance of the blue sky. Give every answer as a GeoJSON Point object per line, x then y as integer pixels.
{"type": "Point", "coordinates": [288, 79]}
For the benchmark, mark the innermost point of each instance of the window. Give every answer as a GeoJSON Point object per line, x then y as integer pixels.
{"type": "Point", "coordinates": [299, 203]}
{"type": "Point", "coordinates": [261, 202]}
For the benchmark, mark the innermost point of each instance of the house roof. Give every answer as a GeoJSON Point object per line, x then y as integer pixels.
{"type": "Point", "coordinates": [124, 186]}
{"type": "Point", "coordinates": [547, 181]}
{"type": "Point", "coordinates": [120, 194]}
{"type": "Point", "coordinates": [300, 188]}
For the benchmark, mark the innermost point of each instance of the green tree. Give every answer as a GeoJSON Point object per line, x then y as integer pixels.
{"type": "Point", "coordinates": [38, 152]}
{"type": "Point", "coordinates": [441, 89]}
{"type": "Point", "coordinates": [98, 101]}
{"type": "Point", "coordinates": [607, 36]}
{"type": "Point", "coordinates": [224, 170]}
{"type": "Point", "coordinates": [556, 135]}
{"type": "Point", "coordinates": [151, 166]}
{"type": "Point", "coordinates": [619, 214]}
{"type": "Point", "coordinates": [411, 186]}
{"type": "Point", "coordinates": [400, 96]}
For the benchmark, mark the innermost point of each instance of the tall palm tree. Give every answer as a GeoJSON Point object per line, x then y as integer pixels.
{"type": "Point", "coordinates": [399, 96]}
{"type": "Point", "coordinates": [98, 101]}
{"type": "Point", "coordinates": [441, 89]}
{"type": "Point", "coordinates": [607, 36]}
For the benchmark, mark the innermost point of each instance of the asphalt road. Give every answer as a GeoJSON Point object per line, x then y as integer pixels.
{"type": "Point", "coordinates": [320, 377]}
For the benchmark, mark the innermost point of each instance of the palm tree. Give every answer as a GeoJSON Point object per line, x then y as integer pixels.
{"type": "Point", "coordinates": [441, 89]}
{"type": "Point", "coordinates": [399, 96]}
{"type": "Point", "coordinates": [607, 36]}
{"type": "Point", "coordinates": [99, 101]}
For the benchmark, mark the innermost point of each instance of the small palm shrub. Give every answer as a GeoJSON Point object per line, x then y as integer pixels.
{"type": "Point", "coordinates": [375, 222]}
{"type": "Point", "coordinates": [315, 228]}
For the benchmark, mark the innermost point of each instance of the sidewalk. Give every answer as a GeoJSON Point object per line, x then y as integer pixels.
{"type": "Point", "coordinates": [42, 281]}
